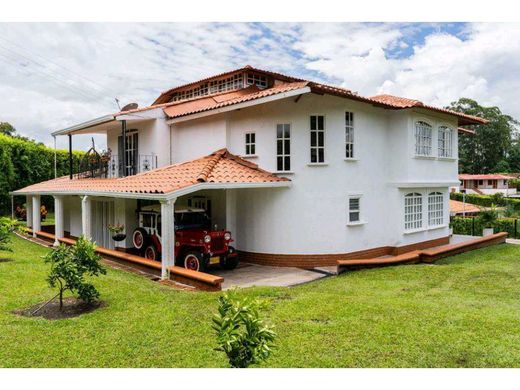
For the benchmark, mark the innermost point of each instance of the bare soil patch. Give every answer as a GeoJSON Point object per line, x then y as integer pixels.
{"type": "Point", "coordinates": [72, 307]}
{"type": "Point", "coordinates": [5, 260]}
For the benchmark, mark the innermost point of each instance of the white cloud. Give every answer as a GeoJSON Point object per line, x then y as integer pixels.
{"type": "Point", "coordinates": [56, 75]}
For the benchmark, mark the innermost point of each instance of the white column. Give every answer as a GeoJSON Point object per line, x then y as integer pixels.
{"type": "Point", "coordinates": [28, 211]}
{"type": "Point", "coordinates": [167, 237]}
{"type": "Point", "coordinates": [37, 219]}
{"type": "Point", "coordinates": [58, 218]}
{"type": "Point", "coordinates": [86, 216]}
{"type": "Point", "coordinates": [231, 212]}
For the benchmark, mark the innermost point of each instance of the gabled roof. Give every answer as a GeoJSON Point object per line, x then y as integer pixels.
{"type": "Point", "coordinates": [492, 176]}
{"type": "Point", "coordinates": [220, 167]}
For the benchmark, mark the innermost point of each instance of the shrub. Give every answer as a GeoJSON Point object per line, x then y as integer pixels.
{"type": "Point", "coordinates": [241, 333]}
{"type": "Point", "coordinates": [488, 217]}
{"type": "Point", "coordinates": [70, 265]}
{"type": "Point", "coordinates": [6, 227]}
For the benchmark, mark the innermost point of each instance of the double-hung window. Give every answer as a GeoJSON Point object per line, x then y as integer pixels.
{"type": "Point", "coordinates": [250, 144]}
{"type": "Point", "coordinates": [349, 134]}
{"type": "Point", "coordinates": [317, 127]}
{"type": "Point", "coordinates": [445, 141]}
{"type": "Point", "coordinates": [423, 139]}
{"type": "Point", "coordinates": [435, 209]}
{"type": "Point", "coordinates": [413, 211]}
{"type": "Point", "coordinates": [283, 147]}
{"type": "Point", "coordinates": [354, 209]}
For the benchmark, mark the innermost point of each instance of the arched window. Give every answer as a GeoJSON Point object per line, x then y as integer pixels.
{"type": "Point", "coordinates": [412, 211]}
{"type": "Point", "coordinates": [435, 209]}
{"type": "Point", "coordinates": [445, 136]}
{"type": "Point", "coordinates": [423, 139]}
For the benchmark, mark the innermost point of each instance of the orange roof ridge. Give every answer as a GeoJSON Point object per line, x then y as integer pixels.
{"type": "Point", "coordinates": [208, 168]}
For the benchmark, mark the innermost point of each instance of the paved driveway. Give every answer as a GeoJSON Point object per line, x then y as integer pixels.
{"type": "Point", "coordinates": [248, 275]}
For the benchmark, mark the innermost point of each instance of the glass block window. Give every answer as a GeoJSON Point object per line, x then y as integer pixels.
{"type": "Point", "coordinates": [435, 209]}
{"type": "Point", "coordinates": [412, 211]}
{"type": "Point", "coordinates": [317, 126]}
{"type": "Point", "coordinates": [423, 139]}
{"type": "Point", "coordinates": [250, 144]}
{"type": "Point", "coordinates": [354, 209]}
{"type": "Point", "coordinates": [256, 79]}
{"type": "Point", "coordinates": [445, 136]}
{"type": "Point", "coordinates": [283, 147]}
{"type": "Point", "coordinates": [349, 134]}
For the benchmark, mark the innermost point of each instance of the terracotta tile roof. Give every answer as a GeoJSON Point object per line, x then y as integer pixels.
{"type": "Point", "coordinates": [178, 109]}
{"type": "Point", "coordinates": [182, 108]}
{"type": "Point", "coordinates": [218, 167]}
{"type": "Point", "coordinates": [464, 176]}
{"type": "Point", "coordinates": [457, 207]}
{"type": "Point", "coordinates": [402, 103]}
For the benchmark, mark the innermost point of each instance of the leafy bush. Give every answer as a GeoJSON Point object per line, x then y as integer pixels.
{"type": "Point", "coordinates": [486, 200]}
{"type": "Point", "coordinates": [70, 265]}
{"type": "Point", "coordinates": [465, 226]}
{"type": "Point", "coordinates": [241, 333]}
{"type": "Point", "coordinates": [488, 217]}
{"type": "Point", "coordinates": [6, 227]}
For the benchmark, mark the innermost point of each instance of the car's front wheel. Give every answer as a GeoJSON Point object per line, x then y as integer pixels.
{"type": "Point", "coordinates": [194, 261]}
{"type": "Point", "coordinates": [151, 253]}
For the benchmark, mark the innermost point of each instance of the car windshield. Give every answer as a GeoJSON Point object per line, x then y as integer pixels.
{"type": "Point", "coordinates": [192, 220]}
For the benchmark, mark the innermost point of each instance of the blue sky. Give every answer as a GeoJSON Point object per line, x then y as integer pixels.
{"type": "Point", "coordinates": [53, 75]}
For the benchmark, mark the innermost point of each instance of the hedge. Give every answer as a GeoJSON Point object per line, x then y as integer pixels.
{"type": "Point", "coordinates": [26, 162]}
{"type": "Point", "coordinates": [464, 225]}
{"type": "Point", "coordinates": [486, 200]}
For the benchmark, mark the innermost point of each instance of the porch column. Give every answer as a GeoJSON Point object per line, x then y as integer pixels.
{"type": "Point", "coordinates": [86, 216]}
{"type": "Point", "coordinates": [58, 217]}
{"type": "Point", "coordinates": [37, 219]}
{"type": "Point", "coordinates": [231, 212]}
{"type": "Point", "coordinates": [28, 211]}
{"type": "Point", "coordinates": [168, 237]}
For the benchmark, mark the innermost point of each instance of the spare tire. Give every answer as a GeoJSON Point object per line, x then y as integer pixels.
{"type": "Point", "coordinates": [140, 238]}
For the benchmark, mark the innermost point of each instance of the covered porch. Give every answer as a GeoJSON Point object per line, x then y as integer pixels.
{"type": "Point", "coordinates": [88, 206]}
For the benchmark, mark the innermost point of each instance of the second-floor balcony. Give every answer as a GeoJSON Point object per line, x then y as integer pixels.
{"type": "Point", "coordinates": [95, 165]}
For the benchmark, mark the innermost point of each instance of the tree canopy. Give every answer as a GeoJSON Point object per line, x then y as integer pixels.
{"type": "Point", "coordinates": [495, 146]}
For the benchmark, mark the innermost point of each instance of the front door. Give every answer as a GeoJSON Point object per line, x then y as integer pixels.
{"type": "Point", "coordinates": [131, 153]}
{"type": "Point", "coordinates": [102, 216]}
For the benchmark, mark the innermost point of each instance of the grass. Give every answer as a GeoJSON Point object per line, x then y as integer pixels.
{"type": "Point", "coordinates": [462, 312]}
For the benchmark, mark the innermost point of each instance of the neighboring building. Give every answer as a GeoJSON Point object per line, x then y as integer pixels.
{"type": "Point", "coordinates": [301, 173]}
{"type": "Point", "coordinates": [458, 209]}
{"type": "Point", "coordinates": [486, 184]}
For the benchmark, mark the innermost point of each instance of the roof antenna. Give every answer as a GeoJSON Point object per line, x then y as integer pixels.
{"type": "Point", "coordinates": [117, 102]}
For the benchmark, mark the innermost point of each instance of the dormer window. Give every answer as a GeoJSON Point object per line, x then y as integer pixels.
{"type": "Point", "coordinates": [256, 79]}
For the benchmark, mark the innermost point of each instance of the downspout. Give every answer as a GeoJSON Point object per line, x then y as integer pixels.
{"type": "Point", "coordinates": [55, 163]}
{"type": "Point", "coordinates": [70, 156]}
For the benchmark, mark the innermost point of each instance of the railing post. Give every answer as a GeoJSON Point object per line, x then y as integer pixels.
{"type": "Point", "coordinates": [70, 156]}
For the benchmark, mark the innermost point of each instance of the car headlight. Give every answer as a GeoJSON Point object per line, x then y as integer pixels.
{"type": "Point", "coordinates": [227, 236]}
{"type": "Point", "coordinates": [207, 238]}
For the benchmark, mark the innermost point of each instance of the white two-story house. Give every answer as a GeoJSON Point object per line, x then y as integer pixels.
{"type": "Point", "coordinates": [301, 173]}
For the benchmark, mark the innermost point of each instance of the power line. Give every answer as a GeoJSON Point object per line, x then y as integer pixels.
{"type": "Point", "coordinates": [61, 66]}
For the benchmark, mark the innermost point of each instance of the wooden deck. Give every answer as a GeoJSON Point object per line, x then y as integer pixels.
{"type": "Point", "coordinates": [423, 255]}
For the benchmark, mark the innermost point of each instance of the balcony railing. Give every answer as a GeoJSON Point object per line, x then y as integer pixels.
{"type": "Point", "coordinates": [144, 163]}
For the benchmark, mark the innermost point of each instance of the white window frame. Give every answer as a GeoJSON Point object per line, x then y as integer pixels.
{"type": "Point", "coordinates": [423, 136]}
{"type": "Point", "coordinates": [435, 209]}
{"type": "Point", "coordinates": [284, 153]}
{"type": "Point", "coordinates": [445, 141]}
{"type": "Point", "coordinates": [317, 147]}
{"type": "Point", "coordinates": [250, 145]}
{"type": "Point", "coordinates": [413, 208]}
{"type": "Point", "coordinates": [359, 210]}
{"type": "Point", "coordinates": [350, 136]}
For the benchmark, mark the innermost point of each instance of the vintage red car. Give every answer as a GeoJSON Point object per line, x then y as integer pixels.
{"type": "Point", "coordinates": [197, 245]}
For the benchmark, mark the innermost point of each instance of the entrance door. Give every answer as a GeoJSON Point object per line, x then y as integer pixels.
{"type": "Point", "coordinates": [102, 216]}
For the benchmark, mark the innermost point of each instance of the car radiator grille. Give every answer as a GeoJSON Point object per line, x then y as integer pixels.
{"type": "Point", "coordinates": [217, 243]}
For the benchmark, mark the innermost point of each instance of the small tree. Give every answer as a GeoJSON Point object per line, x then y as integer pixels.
{"type": "Point", "coordinates": [6, 227]}
{"type": "Point", "coordinates": [70, 265]}
{"type": "Point", "coordinates": [241, 333]}
{"type": "Point", "coordinates": [488, 217]}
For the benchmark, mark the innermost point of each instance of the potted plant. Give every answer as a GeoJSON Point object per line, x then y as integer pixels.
{"type": "Point", "coordinates": [117, 232]}
{"type": "Point", "coordinates": [488, 218]}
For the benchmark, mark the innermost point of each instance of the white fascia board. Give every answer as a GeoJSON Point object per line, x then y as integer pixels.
{"type": "Point", "coordinates": [149, 114]}
{"type": "Point", "coordinates": [238, 106]}
{"type": "Point", "coordinates": [168, 196]}
{"type": "Point", "coordinates": [85, 125]}
{"type": "Point", "coordinates": [425, 184]}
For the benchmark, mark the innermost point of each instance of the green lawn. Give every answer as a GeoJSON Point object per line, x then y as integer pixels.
{"type": "Point", "coordinates": [462, 312]}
